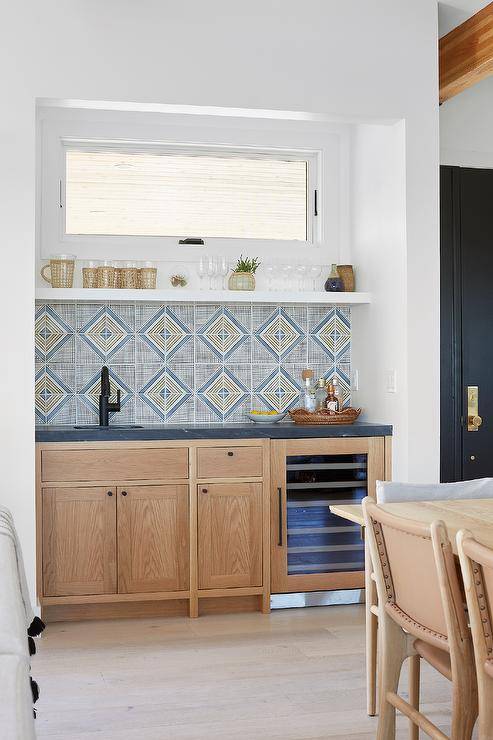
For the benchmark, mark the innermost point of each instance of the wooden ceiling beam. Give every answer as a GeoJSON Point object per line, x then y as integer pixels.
{"type": "Point", "coordinates": [466, 54]}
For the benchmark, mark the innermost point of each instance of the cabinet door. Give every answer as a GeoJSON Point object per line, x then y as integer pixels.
{"type": "Point", "coordinates": [153, 539]}
{"type": "Point", "coordinates": [311, 548]}
{"type": "Point", "coordinates": [79, 541]}
{"type": "Point", "coordinates": [230, 535]}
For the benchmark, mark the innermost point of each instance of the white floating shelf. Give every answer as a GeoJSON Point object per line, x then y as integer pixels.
{"type": "Point", "coordinates": [180, 295]}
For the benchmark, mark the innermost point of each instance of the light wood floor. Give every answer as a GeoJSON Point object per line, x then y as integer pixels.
{"type": "Point", "coordinates": [293, 675]}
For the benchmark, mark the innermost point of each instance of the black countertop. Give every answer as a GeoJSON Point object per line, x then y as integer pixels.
{"type": "Point", "coordinates": [250, 430]}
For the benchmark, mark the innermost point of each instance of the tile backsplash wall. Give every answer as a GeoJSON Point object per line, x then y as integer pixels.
{"type": "Point", "coordinates": [183, 362]}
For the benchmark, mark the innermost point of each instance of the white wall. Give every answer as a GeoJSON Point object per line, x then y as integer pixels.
{"type": "Point", "coordinates": [379, 251]}
{"type": "Point", "coordinates": [351, 59]}
{"type": "Point", "coordinates": [466, 127]}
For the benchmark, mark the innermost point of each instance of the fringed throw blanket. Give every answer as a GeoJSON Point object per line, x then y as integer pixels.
{"type": "Point", "coordinates": [34, 625]}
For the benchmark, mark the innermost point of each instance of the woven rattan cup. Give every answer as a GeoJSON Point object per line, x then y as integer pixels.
{"type": "Point", "coordinates": [129, 277]}
{"type": "Point", "coordinates": [107, 276]}
{"type": "Point", "coordinates": [90, 275]}
{"type": "Point", "coordinates": [61, 268]}
{"type": "Point", "coordinates": [148, 278]}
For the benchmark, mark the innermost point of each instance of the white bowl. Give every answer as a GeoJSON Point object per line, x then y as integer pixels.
{"type": "Point", "coordinates": [265, 418]}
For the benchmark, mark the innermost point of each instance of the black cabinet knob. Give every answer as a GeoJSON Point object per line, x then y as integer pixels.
{"type": "Point", "coordinates": [204, 490]}
{"type": "Point", "coordinates": [124, 493]}
{"type": "Point", "coordinates": [110, 493]}
{"type": "Point", "coordinates": [230, 454]}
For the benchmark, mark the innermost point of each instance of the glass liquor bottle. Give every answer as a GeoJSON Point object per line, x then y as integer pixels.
{"type": "Point", "coordinates": [307, 395]}
{"type": "Point", "coordinates": [337, 392]}
{"type": "Point", "coordinates": [320, 394]}
{"type": "Point", "coordinates": [332, 400]}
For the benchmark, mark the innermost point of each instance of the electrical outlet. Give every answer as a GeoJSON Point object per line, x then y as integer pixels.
{"type": "Point", "coordinates": [354, 380]}
{"type": "Point", "coordinates": [391, 382]}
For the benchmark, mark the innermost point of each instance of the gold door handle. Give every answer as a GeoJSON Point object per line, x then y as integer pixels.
{"type": "Point", "coordinates": [474, 420]}
{"type": "Point", "coordinates": [473, 423]}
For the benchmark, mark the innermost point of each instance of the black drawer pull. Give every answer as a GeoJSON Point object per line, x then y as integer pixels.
{"type": "Point", "coordinates": [204, 490]}
{"type": "Point", "coordinates": [109, 493]}
{"type": "Point", "coordinates": [124, 493]}
{"type": "Point", "coordinates": [230, 454]}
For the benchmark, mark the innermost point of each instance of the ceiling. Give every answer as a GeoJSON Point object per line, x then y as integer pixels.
{"type": "Point", "coordinates": [454, 12]}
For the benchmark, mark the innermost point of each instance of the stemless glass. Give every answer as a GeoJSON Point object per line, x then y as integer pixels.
{"type": "Point", "coordinates": [90, 274]}
{"type": "Point", "coordinates": [129, 275]}
{"type": "Point", "coordinates": [148, 276]}
{"type": "Point", "coordinates": [107, 274]}
{"type": "Point", "coordinates": [314, 272]}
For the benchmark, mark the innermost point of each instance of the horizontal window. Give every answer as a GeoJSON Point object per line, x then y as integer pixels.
{"type": "Point", "coordinates": [118, 192]}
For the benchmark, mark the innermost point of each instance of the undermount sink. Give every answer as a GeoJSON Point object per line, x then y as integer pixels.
{"type": "Point", "coordinates": [112, 426]}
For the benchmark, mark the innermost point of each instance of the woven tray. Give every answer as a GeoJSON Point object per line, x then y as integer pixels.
{"type": "Point", "coordinates": [346, 416]}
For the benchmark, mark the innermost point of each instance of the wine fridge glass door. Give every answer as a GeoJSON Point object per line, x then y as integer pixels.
{"type": "Point", "coordinates": [318, 541]}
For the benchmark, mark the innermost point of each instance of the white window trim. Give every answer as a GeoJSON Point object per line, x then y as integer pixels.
{"type": "Point", "coordinates": [169, 242]}
{"type": "Point", "coordinates": [326, 151]}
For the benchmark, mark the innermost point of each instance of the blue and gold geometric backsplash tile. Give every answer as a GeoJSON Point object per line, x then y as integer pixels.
{"type": "Point", "coordinates": [184, 362]}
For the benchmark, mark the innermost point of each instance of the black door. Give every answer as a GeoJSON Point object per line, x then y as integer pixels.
{"type": "Point", "coordinates": [466, 322]}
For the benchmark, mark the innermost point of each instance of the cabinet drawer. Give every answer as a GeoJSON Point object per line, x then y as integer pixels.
{"type": "Point", "coordinates": [229, 462]}
{"type": "Point", "coordinates": [114, 464]}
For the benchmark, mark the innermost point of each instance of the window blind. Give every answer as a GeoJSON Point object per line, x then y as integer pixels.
{"type": "Point", "coordinates": [110, 192]}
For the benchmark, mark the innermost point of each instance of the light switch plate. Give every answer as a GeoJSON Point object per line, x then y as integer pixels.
{"type": "Point", "coordinates": [354, 379]}
{"type": "Point", "coordinates": [391, 382]}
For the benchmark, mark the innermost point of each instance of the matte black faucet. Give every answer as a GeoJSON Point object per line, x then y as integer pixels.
{"type": "Point", "coordinates": [105, 405]}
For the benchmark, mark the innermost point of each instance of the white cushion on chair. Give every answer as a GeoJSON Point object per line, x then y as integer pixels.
{"type": "Point", "coordinates": [389, 492]}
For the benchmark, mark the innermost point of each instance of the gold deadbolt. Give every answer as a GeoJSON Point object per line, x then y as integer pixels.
{"type": "Point", "coordinates": [474, 421]}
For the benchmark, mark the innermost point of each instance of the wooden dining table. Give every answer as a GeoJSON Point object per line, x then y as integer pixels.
{"type": "Point", "coordinates": [473, 514]}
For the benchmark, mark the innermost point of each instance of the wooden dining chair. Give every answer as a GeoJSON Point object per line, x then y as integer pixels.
{"type": "Point", "coordinates": [420, 612]}
{"type": "Point", "coordinates": [476, 562]}
{"type": "Point", "coordinates": [388, 492]}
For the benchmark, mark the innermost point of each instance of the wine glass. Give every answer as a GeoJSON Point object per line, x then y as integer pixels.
{"type": "Point", "coordinates": [314, 272]}
{"type": "Point", "coordinates": [223, 269]}
{"type": "Point", "coordinates": [202, 270]}
{"type": "Point", "coordinates": [270, 272]}
{"type": "Point", "coordinates": [211, 271]}
{"type": "Point", "coordinates": [301, 271]}
{"type": "Point", "coordinates": [287, 271]}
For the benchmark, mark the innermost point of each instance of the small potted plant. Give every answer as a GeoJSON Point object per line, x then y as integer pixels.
{"type": "Point", "coordinates": [243, 276]}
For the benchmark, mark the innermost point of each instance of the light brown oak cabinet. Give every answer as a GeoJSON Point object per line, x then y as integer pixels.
{"type": "Point", "coordinates": [230, 535]}
{"type": "Point", "coordinates": [79, 541]}
{"type": "Point", "coordinates": [99, 540]}
{"type": "Point", "coordinates": [153, 538]}
{"type": "Point", "coordinates": [144, 528]}
{"type": "Point", "coordinates": [197, 526]}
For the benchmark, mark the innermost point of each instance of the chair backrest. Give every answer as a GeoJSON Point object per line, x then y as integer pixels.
{"type": "Point", "coordinates": [416, 576]}
{"type": "Point", "coordinates": [390, 492]}
{"type": "Point", "coordinates": [477, 570]}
